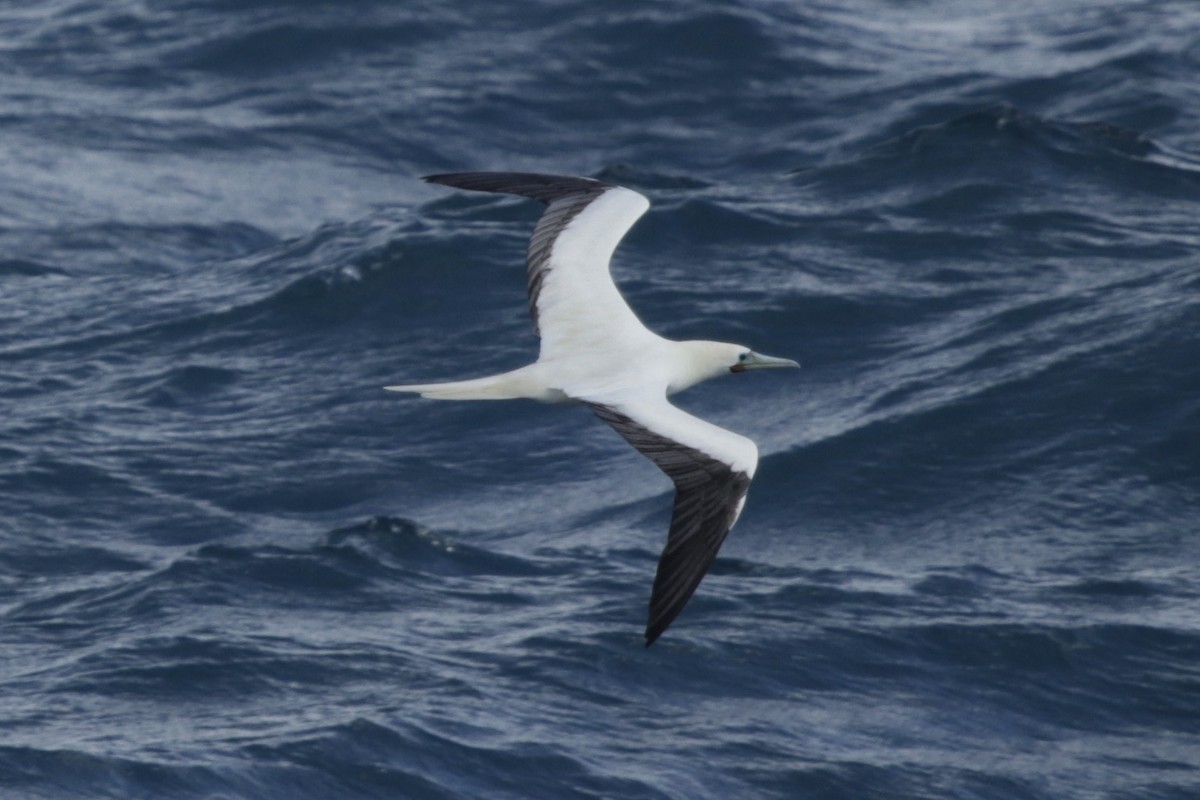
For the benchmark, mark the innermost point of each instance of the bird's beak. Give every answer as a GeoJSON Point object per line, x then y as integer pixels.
{"type": "Point", "coordinates": [759, 361]}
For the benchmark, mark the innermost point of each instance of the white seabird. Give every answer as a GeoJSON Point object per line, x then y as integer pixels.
{"type": "Point", "coordinates": [595, 351]}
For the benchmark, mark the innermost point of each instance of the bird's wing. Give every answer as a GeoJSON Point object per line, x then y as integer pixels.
{"type": "Point", "coordinates": [573, 301]}
{"type": "Point", "coordinates": [711, 467]}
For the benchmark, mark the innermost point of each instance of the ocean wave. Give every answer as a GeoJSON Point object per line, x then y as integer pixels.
{"type": "Point", "coordinates": [1032, 160]}
{"type": "Point", "coordinates": [29, 269]}
{"type": "Point", "coordinates": [346, 561]}
{"type": "Point", "coordinates": [967, 563]}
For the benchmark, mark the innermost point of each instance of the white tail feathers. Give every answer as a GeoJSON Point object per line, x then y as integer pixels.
{"type": "Point", "coordinates": [477, 389]}
{"type": "Point", "coordinates": [520, 383]}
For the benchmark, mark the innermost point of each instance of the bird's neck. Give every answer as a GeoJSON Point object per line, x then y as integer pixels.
{"type": "Point", "coordinates": [694, 362]}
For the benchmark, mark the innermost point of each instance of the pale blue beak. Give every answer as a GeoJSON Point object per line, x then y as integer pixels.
{"type": "Point", "coordinates": [759, 361]}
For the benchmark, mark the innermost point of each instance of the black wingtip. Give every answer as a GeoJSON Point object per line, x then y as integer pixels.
{"type": "Point", "coordinates": [657, 627]}
{"type": "Point", "coordinates": [543, 188]}
{"type": "Point", "coordinates": [439, 177]}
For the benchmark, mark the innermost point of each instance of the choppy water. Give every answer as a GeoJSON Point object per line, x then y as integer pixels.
{"type": "Point", "coordinates": [232, 567]}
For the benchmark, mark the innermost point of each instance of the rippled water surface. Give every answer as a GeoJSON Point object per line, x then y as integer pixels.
{"type": "Point", "coordinates": [232, 567]}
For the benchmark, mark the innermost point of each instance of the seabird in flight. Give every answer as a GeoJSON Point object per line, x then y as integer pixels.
{"type": "Point", "coordinates": [595, 351]}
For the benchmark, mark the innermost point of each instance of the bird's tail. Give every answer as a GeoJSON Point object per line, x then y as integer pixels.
{"type": "Point", "coordinates": [506, 386]}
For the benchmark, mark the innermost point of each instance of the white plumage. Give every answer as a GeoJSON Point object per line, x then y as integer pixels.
{"type": "Point", "coordinates": [595, 351]}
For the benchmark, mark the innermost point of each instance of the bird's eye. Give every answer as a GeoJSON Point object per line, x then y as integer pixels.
{"type": "Point", "coordinates": [743, 356]}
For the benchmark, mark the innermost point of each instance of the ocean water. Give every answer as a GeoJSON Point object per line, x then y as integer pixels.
{"type": "Point", "coordinates": [231, 566]}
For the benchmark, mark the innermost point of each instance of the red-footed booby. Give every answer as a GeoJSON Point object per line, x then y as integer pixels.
{"type": "Point", "coordinates": [595, 351]}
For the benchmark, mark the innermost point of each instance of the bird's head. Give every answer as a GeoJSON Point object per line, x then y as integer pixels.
{"type": "Point", "coordinates": [704, 360]}
{"type": "Point", "coordinates": [746, 359]}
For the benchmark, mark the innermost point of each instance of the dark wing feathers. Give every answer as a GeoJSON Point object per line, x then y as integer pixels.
{"type": "Point", "coordinates": [543, 188]}
{"type": "Point", "coordinates": [707, 495]}
{"type": "Point", "coordinates": [567, 196]}
{"type": "Point", "coordinates": [557, 216]}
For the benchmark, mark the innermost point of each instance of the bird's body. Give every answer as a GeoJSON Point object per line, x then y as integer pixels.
{"type": "Point", "coordinates": [595, 351]}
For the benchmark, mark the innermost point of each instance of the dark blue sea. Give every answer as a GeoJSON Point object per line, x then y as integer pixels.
{"type": "Point", "coordinates": [232, 566]}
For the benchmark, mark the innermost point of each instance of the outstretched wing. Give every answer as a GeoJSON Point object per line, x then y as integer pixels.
{"type": "Point", "coordinates": [573, 301]}
{"type": "Point", "coordinates": [711, 468]}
